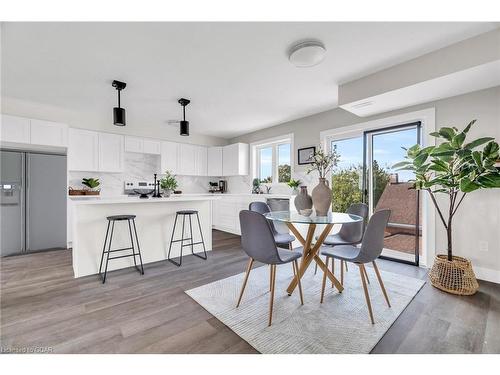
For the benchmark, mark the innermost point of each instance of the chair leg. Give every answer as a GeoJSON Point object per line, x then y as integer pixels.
{"type": "Point", "coordinates": [375, 267]}
{"type": "Point", "coordinates": [202, 240]}
{"type": "Point", "coordinates": [271, 301]}
{"type": "Point", "coordinates": [249, 268]}
{"type": "Point", "coordinates": [333, 270]}
{"type": "Point", "coordinates": [367, 296]}
{"type": "Point", "coordinates": [109, 250]}
{"type": "Point", "coordinates": [104, 247]}
{"type": "Point", "coordinates": [295, 266]}
{"type": "Point", "coordinates": [323, 284]}
{"type": "Point", "coordinates": [342, 272]}
{"type": "Point", "coordinates": [270, 276]}
{"type": "Point", "coordinates": [316, 268]}
{"type": "Point", "coordinates": [366, 275]}
{"type": "Point", "coordinates": [346, 269]}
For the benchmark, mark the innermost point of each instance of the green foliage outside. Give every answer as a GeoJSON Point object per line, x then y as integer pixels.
{"type": "Point", "coordinates": [284, 173]}
{"type": "Point", "coordinates": [346, 186]}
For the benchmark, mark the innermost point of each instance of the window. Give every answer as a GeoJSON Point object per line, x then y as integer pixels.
{"type": "Point", "coordinates": [274, 161]}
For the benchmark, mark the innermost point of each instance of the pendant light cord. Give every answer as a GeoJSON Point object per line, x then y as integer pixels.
{"type": "Point", "coordinates": [119, 98]}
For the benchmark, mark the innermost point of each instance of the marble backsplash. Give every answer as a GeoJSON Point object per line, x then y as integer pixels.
{"type": "Point", "coordinates": [243, 184]}
{"type": "Point", "coordinates": [138, 167]}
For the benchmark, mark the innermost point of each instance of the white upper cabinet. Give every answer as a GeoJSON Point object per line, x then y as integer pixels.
{"type": "Point", "coordinates": [151, 147]}
{"type": "Point", "coordinates": [201, 161]}
{"type": "Point", "coordinates": [235, 159]}
{"type": "Point", "coordinates": [15, 129]}
{"type": "Point", "coordinates": [83, 149]}
{"type": "Point", "coordinates": [214, 161]}
{"type": "Point", "coordinates": [49, 133]}
{"type": "Point", "coordinates": [134, 144]}
{"type": "Point", "coordinates": [142, 145]}
{"type": "Point", "coordinates": [111, 149]}
{"type": "Point", "coordinates": [169, 154]}
{"type": "Point", "coordinates": [186, 160]}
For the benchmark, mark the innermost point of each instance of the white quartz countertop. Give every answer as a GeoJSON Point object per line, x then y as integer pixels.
{"type": "Point", "coordinates": [91, 200]}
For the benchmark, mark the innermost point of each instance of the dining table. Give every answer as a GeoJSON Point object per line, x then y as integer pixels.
{"type": "Point", "coordinates": [310, 245]}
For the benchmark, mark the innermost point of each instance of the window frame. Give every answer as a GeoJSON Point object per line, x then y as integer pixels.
{"type": "Point", "coordinates": [274, 144]}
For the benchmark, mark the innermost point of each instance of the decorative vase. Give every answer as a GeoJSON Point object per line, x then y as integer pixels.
{"type": "Point", "coordinates": [303, 201]}
{"type": "Point", "coordinates": [455, 276]}
{"type": "Point", "coordinates": [166, 193]}
{"type": "Point", "coordinates": [322, 198]}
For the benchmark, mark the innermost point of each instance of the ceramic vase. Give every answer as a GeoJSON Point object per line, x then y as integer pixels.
{"type": "Point", "coordinates": [322, 198]}
{"type": "Point", "coordinates": [303, 201]}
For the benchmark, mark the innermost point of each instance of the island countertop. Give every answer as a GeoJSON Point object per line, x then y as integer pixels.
{"type": "Point", "coordinates": [91, 200]}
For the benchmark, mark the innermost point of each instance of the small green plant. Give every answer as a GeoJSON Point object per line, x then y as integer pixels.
{"type": "Point", "coordinates": [169, 182]}
{"type": "Point", "coordinates": [294, 184]}
{"type": "Point", "coordinates": [91, 183]}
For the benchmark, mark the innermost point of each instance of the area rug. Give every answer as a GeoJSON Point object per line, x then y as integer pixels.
{"type": "Point", "coordinates": [340, 324]}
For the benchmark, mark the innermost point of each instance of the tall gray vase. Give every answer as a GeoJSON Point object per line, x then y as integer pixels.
{"type": "Point", "coordinates": [303, 201]}
{"type": "Point", "coordinates": [322, 198]}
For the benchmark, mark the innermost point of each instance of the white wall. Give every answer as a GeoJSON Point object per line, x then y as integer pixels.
{"type": "Point", "coordinates": [101, 119]}
{"type": "Point", "coordinates": [478, 218]}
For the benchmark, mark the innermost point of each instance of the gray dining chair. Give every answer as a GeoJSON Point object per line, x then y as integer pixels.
{"type": "Point", "coordinates": [257, 241]}
{"type": "Point", "coordinates": [349, 234]}
{"type": "Point", "coordinates": [371, 247]}
{"type": "Point", "coordinates": [282, 239]}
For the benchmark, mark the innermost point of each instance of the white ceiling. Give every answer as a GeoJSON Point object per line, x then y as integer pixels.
{"type": "Point", "coordinates": [237, 75]}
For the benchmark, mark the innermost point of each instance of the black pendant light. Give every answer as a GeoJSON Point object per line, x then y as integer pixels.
{"type": "Point", "coordinates": [184, 128]}
{"type": "Point", "coordinates": [118, 112]}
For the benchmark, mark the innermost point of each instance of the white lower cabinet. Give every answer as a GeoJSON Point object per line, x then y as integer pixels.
{"type": "Point", "coordinates": [226, 211]}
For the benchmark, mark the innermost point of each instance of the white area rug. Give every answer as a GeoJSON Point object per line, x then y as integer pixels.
{"type": "Point", "coordinates": [340, 325]}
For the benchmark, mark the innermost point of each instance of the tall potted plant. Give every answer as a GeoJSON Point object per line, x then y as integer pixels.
{"type": "Point", "coordinates": [454, 168]}
{"type": "Point", "coordinates": [323, 163]}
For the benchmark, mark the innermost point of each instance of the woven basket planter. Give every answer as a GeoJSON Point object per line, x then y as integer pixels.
{"type": "Point", "coordinates": [456, 276]}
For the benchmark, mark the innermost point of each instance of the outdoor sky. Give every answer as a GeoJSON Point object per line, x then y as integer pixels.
{"type": "Point", "coordinates": [387, 150]}
{"type": "Point", "coordinates": [266, 157]}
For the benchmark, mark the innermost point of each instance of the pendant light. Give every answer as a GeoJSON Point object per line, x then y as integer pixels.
{"type": "Point", "coordinates": [118, 112]}
{"type": "Point", "coordinates": [184, 125]}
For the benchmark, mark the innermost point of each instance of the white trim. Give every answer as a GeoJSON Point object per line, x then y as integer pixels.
{"type": "Point", "coordinates": [274, 141]}
{"type": "Point", "coordinates": [428, 120]}
{"type": "Point", "coordinates": [487, 274]}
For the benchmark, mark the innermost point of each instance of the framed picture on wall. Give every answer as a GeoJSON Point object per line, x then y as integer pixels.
{"type": "Point", "coordinates": [305, 155]}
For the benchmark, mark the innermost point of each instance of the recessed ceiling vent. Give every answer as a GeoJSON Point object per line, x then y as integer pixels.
{"type": "Point", "coordinates": [307, 53]}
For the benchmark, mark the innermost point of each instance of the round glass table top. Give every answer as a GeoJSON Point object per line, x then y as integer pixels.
{"type": "Point", "coordinates": [295, 217]}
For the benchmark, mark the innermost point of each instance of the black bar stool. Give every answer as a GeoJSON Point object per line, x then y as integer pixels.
{"type": "Point", "coordinates": [187, 213]}
{"type": "Point", "coordinates": [113, 219]}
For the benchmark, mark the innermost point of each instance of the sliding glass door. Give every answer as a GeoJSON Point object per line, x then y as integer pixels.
{"type": "Point", "coordinates": [365, 173]}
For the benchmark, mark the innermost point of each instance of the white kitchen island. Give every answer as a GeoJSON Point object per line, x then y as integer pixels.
{"type": "Point", "coordinates": [154, 221]}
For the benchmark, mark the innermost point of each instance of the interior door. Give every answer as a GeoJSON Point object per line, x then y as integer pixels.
{"type": "Point", "coordinates": [12, 202]}
{"type": "Point", "coordinates": [385, 188]}
{"type": "Point", "coordinates": [46, 202]}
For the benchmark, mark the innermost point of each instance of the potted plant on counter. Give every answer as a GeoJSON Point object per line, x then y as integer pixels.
{"type": "Point", "coordinates": [92, 185]}
{"type": "Point", "coordinates": [294, 185]}
{"type": "Point", "coordinates": [453, 169]}
{"type": "Point", "coordinates": [168, 183]}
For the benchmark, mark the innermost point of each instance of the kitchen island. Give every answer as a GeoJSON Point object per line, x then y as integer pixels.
{"type": "Point", "coordinates": [154, 221]}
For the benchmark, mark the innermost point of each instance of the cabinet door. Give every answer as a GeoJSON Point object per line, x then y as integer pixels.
{"type": "Point", "coordinates": [83, 150]}
{"type": "Point", "coordinates": [110, 152]}
{"type": "Point", "coordinates": [214, 167]}
{"type": "Point", "coordinates": [49, 133]}
{"type": "Point", "coordinates": [186, 160]}
{"type": "Point", "coordinates": [151, 147]}
{"type": "Point", "coordinates": [230, 160]}
{"type": "Point", "coordinates": [134, 144]}
{"type": "Point", "coordinates": [201, 160]}
{"type": "Point", "coordinates": [15, 129]}
{"type": "Point", "coordinates": [169, 151]}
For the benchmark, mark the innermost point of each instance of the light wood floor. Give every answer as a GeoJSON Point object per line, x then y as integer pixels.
{"type": "Point", "coordinates": [42, 305]}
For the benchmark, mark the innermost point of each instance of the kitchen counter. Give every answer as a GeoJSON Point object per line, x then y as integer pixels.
{"type": "Point", "coordinates": [154, 221]}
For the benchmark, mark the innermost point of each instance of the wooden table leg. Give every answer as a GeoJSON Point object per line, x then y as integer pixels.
{"type": "Point", "coordinates": [311, 253]}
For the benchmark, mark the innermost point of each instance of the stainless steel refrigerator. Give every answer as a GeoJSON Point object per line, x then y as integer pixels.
{"type": "Point", "coordinates": [33, 202]}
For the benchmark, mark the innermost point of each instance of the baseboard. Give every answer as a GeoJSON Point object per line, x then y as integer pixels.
{"type": "Point", "coordinates": [487, 274]}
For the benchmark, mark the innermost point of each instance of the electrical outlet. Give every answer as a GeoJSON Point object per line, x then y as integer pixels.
{"type": "Point", "coordinates": [483, 246]}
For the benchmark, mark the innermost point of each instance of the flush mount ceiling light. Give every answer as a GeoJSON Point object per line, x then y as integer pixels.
{"type": "Point", "coordinates": [118, 112]}
{"type": "Point", "coordinates": [184, 125]}
{"type": "Point", "coordinates": [306, 54]}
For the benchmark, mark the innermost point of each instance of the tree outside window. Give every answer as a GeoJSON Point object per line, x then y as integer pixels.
{"type": "Point", "coordinates": [274, 162]}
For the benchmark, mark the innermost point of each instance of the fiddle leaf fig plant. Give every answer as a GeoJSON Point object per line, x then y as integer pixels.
{"type": "Point", "coordinates": [453, 168]}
